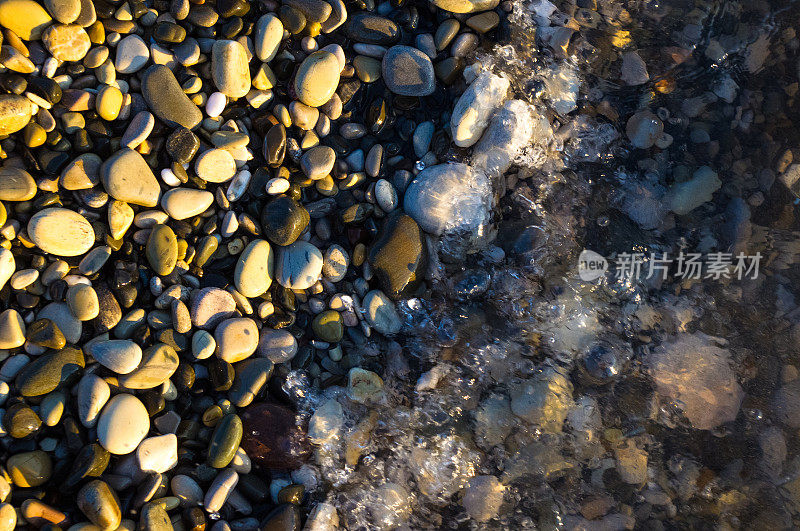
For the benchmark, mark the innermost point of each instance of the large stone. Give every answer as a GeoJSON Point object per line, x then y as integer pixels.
{"type": "Point", "coordinates": [16, 184]}
{"type": "Point", "coordinates": [48, 371]}
{"type": "Point", "coordinates": [408, 72]}
{"type": "Point", "coordinates": [268, 36]}
{"type": "Point", "coordinates": [184, 203]}
{"type": "Point", "coordinates": [127, 177]}
{"type": "Point", "coordinates": [254, 269]}
{"type": "Point", "coordinates": [123, 424]}
{"type": "Point", "coordinates": [167, 100]}
{"type": "Point", "coordinates": [475, 107]}
{"type": "Point", "coordinates": [119, 355]}
{"type": "Point", "coordinates": [298, 265]}
{"type": "Point", "coordinates": [381, 313]}
{"type": "Point", "coordinates": [26, 18]}
{"type": "Point", "coordinates": [272, 437]}
{"type": "Point", "coordinates": [283, 220]}
{"type": "Point", "coordinates": [15, 112]}
{"type": "Point", "coordinates": [66, 42]}
{"type": "Point", "coordinates": [211, 306]}
{"type": "Point", "coordinates": [399, 256]}
{"type": "Point", "coordinates": [317, 78]}
{"type": "Point", "coordinates": [237, 339]}
{"type": "Point", "coordinates": [367, 28]}
{"type": "Point", "coordinates": [466, 6]}
{"type": "Point", "coordinates": [61, 232]}
{"type": "Point", "coordinates": [230, 69]}
{"type": "Point", "coordinates": [132, 55]}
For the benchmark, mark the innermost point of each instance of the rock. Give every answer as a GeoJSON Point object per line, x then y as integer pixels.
{"type": "Point", "coordinates": [466, 6]}
{"type": "Point", "coordinates": [298, 265]}
{"type": "Point", "coordinates": [12, 329]}
{"type": "Point", "coordinates": [685, 196]}
{"type": "Point", "coordinates": [326, 422]}
{"type": "Point", "coordinates": [159, 362]}
{"type": "Point", "coordinates": [317, 78]}
{"type": "Point", "coordinates": [236, 339]}
{"type": "Point", "coordinates": [327, 326]}
{"type": "Point", "coordinates": [154, 517]}
{"type": "Point", "coordinates": [26, 18]}
{"type": "Point", "coordinates": [158, 454]}
{"type": "Point", "coordinates": [8, 517]}
{"type": "Point", "coordinates": [211, 306]}
{"type": "Point", "coordinates": [15, 111]}
{"type": "Point", "coordinates": [254, 269]}
{"type": "Point", "coordinates": [123, 424]}
{"type": "Point", "coordinates": [186, 490]}
{"type": "Point", "coordinates": [335, 262]}
{"type": "Point", "coordinates": [182, 145]}
{"type": "Point", "coordinates": [20, 421]}
{"type": "Point", "coordinates": [475, 107]}
{"type": "Point", "coordinates": [127, 177]}
{"type": "Point", "coordinates": [64, 11]}
{"type": "Point", "coordinates": [283, 220]}
{"type": "Point", "coordinates": [167, 100]}
{"type": "Point", "coordinates": [100, 504]}
{"type": "Point", "coordinates": [408, 72]}
{"type": "Point", "coordinates": [381, 313]}
{"type": "Point", "coordinates": [48, 371]}
{"type": "Point", "coordinates": [45, 333]}
{"type": "Point", "coordinates": [83, 303]}
{"type": "Point", "coordinates": [222, 487]}
{"type": "Point", "coordinates": [215, 166]}
{"type": "Point", "coordinates": [634, 69]}
{"type": "Point", "coordinates": [230, 69]}
{"type": "Point", "coordinates": [279, 346]}
{"type": "Point", "coordinates": [399, 256]}
{"type": "Point", "coordinates": [66, 42]}
{"type": "Point", "coordinates": [16, 184]}
{"type": "Point", "coordinates": [29, 469]}
{"type": "Point", "coordinates": [61, 232]}
{"type": "Point", "coordinates": [82, 173]}
{"type": "Point", "coordinates": [268, 36]}
{"type": "Point", "coordinates": [251, 376]}
{"type": "Point", "coordinates": [367, 28]}
{"type": "Point", "coordinates": [483, 497]}
{"type": "Point", "coordinates": [93, 393]}
{"type": "Point", "coordinates": [323, 517]}
{"type": "Point", "coordinates": [643, 129]}
{"type": "Point", "coordinates": [184, 203]}
{"type": "Point", "coordinates": [162, 250]}
{"type": "Point", "coordinates": [138, 129]}
{"type": "Point", "coordinates": [543, 400]}
{"type": "Point", "coordinates": [631, 463]}
{"type": "Point", "coordinates": [693, 371]}
{"type": "Point", "coordinates": [272, 438]}
{"type": "Point", "coordinates": [318, 162]}
{"type": "Point", "coordinates": [119, 355]}
{"type": "Point", "coordinates": [7, 266]}
{"type": "Point", "coordinates": [225, 441]}
{"type": "Point", "coordinates": [132, 55]}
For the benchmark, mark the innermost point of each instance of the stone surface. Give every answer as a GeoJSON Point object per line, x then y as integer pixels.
{"type": "Point", "coordinates": [215, 166]}
{"type": "Point", "coordinates": [12, 329]}
{"type": "Point", "coordinates": [66, 42]}
{"type": "Point", "coordinates": [132, 55]}
{"type": "Point", "coordinates": [278, 346]}
{"type": "Point", "coordinates": [225, 441]}
{"type": "Point", "coordinates": [159, 362]}
{"type": "Point", "coordinates": [184, 203]}
{"type": "Point", "coordinates": [99, 503]}
{"type": "Point", "coordinates": [82, 301]}
{"type": "Point", "coordinates": [167, 100]}
{"type": "Point", "coordinates": [229, 68]}
{"type": "Point", "coordinates": [211, 306]}
{"type": "Point", "coordinates": [162, 250]}
{"type": "Point", "coordinates": [61, 232]}
{"type": "Point", "coordinates": [283, 220]}
{"type": "Point", "coordinates": [16, 184]}
{"type": "Point", "coordinates": [317, 78]}
{"type": "Point", "coordinates": [466, 6]}
{"type": "Point", "coordinates": [127, 177]}
{"type": "Point", "coordinates": [254, 269]}
{"type": "Point", "coordinates": [268, 35]}
{"type": "Point", "coordinates": [408, 72]}
{"type": "Point", "coordinates": [158, 454]}
{"type": "Point", "coordinates": [119, 355]}
{"type": "Point", "coordinates": [298, 265]}
{"type": "Point", "coordinates": [474, 108]}
{"type": "Point", "coordinates": [123, 424]}
{"type": "Point", "coordinates": [236, 339]}
{"type": "Point", "coordinates": [83, 172]}
{"type": "Point", "coordinates": [399, 255]}
{"type": "Point", "coordinates": [15, 111]}
{"type": "Point", "coordinates": [272, 438]}
{"type": "Point", "coordinates": [26, 18]}
{"type": "Point", "coordinates": [381, 313]}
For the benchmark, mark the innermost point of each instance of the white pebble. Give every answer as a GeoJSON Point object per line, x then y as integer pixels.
{"type": "Point", "coordinates": [277, 186]}
{"type": "Point", "coordinates": [216, 104]}
{"type": "Point", "coordinates": [169, 178]}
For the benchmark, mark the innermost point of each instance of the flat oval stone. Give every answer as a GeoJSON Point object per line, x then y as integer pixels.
{"type": "Point", "coordinates": [268, 36]}
{"type": "Point", "coordinates": [64, 11]}
{"type": "Point", "coordinates": [466, 6]}
{"type": "Point", "coordinates": [408, 72]}
{"type": "Point", "coordinates": [254, 269]}
{"type": "Point", "coordinates": [183, 203]}
{"type": "Point", "coordinates": [236, 339]}
{"type": "Point", "coordinates": [225, 441]}
{"type": "Point", "coordinates": [119, 355]}
{"type": "Point", "coordinates": [230, 69]}
{"type": "Point", "coordinates": [26, 18]}
{"type": "Point", "coordinates": [66, 42]}
{"type": "Point", "coordinates": [381, 313]}
{"type": "Point", "coordinates": [61, 232]}
{"type": "Point", "coordinates": [298, 265]}
{"type": "Point", "coordinates": [46, 372]}
{"type": "Point", "coordinates": [132, 55]}
{"type": "Point", "coordinates": [29, 469]}
{"type": "Point", "coordinates": [15, 112]}
{"type": "Point", "coordinates": [398, 256]}
{"type": "Point", "coordinates": [215, 166]}
{"type": "Point", "coordinates": [372, 29]}
{"type": "Point", "coordinates": [159, 362]}
{"type": "Point", "coordinates": [99, 503]}
{"type": "Point", "coordinates": [318, 162]}
{"type": "Point", "coordinates": [251, 376]}
{"type": "Point", "coordinates": [279, 346]}
{"type": "Point", "coordinates": [317, 78]}
{"type": "Point", "coordinates": [82, 301]}
{"type": "Point", "coordinates": [211, 306]}
{"type": "Point", "coordinates": [16, 184]}
{"type": "Point", "coordinates": [93, 393]}
{"type": "Point", "coordinates": [283, 220]}
{"type": "Point", "coordinates": [158, 454]}
{"type": "Point", "coordinates": [123, 424]}
{"type": "Point", "coordinates": [138, 129]}
{"type": "Point", "coordinates": [162, 250]}
{"type": "Point", "coordinates": [127, 177]}
{"type": "Point", "coordinates": [167, 100]}
{"type": "Point", "coordinates": [81, 173]}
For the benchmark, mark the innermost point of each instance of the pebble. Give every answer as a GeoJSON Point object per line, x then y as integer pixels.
{"type": "Point", "coordinates": [158, 454]}
{"type": "Point", "coordinates": [162, 250]}
{"type": "Point", "coordinates": [466, 6]}
{"type": "Point", "coordinates": [211, 306]}
{"type": "Point", "coordinates": [12, 329]}
{"type": "Point", "coordinates": [15, 111]}
{"type": "Point", "coordinates": [7, 266]}
{"type": "Point", "coordinates": [127, 177]}
{"type": "Point", "coordinates": [167, 100]}
{"type": "Point", "coordinates": [26, 18]}
{"type": "Point", "coordinates": [187, 490]}
{"type": "Point", "coordinates": [367, 28]}
{"type": "Point", "coordinates": [279, 346]}
{"type": "Point", "coordinates": [317, 78]}
{"type": "Point", "coordinates": [184, 203]}
{"type": "Point", "coordinates": [82, 173]}
{"type": "Point", "coordinates": [399, 256]}
{"type": "Point", "coordinates": [159, 363]}
{"type": "Point", "coordinates": [93, 393]}
{"type": "Point", "coordinates": [298, 265]}
{"type": "Point", "coordinates": [335, 262]}
{"type": "Point", "coordinates": [121, 356]}
{"type": "Point", "coordinates": [64, 11]}
{"type": "Point", "coordinates": [475, 107]}
{"type": "Point", "coordinates": [138, 129]}
{"type": "Point", "coordinates": [408, 72]}
{"type": "Point", "coordinates": [318, 162]}
{"type": "Point", "coordinates": [61, 232]}
{"type": "Point", "coordinates": [251, 376]}
{"type": "Point", "coordinates": [123, 424]}
{"type": "Point", "coordinates": [254, 269]}
{"type": "Point", "coordinates": [237, 339]}
{"type": "Point", "coordinates": [229, 68]}
{"type": "Point", "coordinates": [283, 220]}
{"type": "Point", "coordinates": [216, 104]}
{"type": "Point", "coordinates": [29, 469]}
{"type": "Point", "coordinates": [225, 441]}
{"type": "Point", "coordinates": [16, 185]}
{"type": "Point", "coordinates": [100, 504]}
{"type": "Point", "coordinates": [268, 36]}
{"type": "Point", "coordinates": [222, 487]}
{"type": "Point", "coordinates": [62, 316]}
{"type": "Point", "coordinates": [45, 373]}
{"type": "Point", "coordinates": [215, 165]}
{"type": "Point", "coordinates": [381, 313]}
{"type": "Point", "coordinates": [132, 55]}
{"type": "Point", "coordinates": [83, 302]}
{"type": "Point", "coordinates": [66, 42]}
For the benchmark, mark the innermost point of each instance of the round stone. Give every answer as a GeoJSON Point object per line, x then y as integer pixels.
{"type": "Point", "coordinates": [335, 263]}
{"type": "Point", "coordinates": [279, 346]}
{"type": "Point", "coordinates": [82, 301]}
{"type": "Point", "coordinates": [48, 371]}
{"type": "Point", "coordinates": [298, 266]}
{"type": "Point", "coordinates": [123, 424]}
{"type": "Point", "coordinates": [15, 112]}
{"type": "Point", "coordinates": [225, 441]}
{"type": "Point", "coordinates": [251, 376]}
{"type": "Point", "coordinates": [64, 11]}
{"type": "Point", "coordinates": [132, 55]}
{"type": "Point", "coordinates": [283, 220]}
{"type": "Point", "coordinates": [215, 166]}
{"type": "Point", "coordinates": [29, 469]}
{"type": "Point", "coordinates": [318, 162]}
{"type": "Point", "coordinates": [16, 184]}
{"type": "Point", "coordinates": [26, 18]}
{"type": "Point", "coordinates": [158, 454]}
{"type": "Point", "coordinates": [327, 326]}
{"type": "Point", "coordinates": [184, 203]}
{"type": "Point", "coordinates": [408, 72]}
{"type": "Point", "coordinates": [203, 345]}
{"type": "Point", "coordinates": [268, 36]}
{"type": "Point", "coordinates": [62, 316]}
{"type": "Point", "coordinates": [61, 232]}
{"type": "Point", "coordinates": [211, 306]}
{"type": "Point", "coordinates": [466, 6]}
{"type": "Point", "coordinates": [119, 355]}
{"type": "Point", "coordinates": [236, 339]}
{"type": "Point", "coordinates": [317, 78]}
{"type": "Point", "coordinates": [100, 504]}
{"type": "Point", "coordinates": [66, 42]}
{"type": "Point", "coordinates": [127, 177]}
{"type": "Point", "coordinates": [230, 69]}
{"type": "Point", "coordinates": [138, 129]}
{"type": "Point", "coordinates": [381, 313]}
{"type": "Point", "coordinates": [93, 393]}
{"type": "Point", "coordinates": [399, 255]}
{"type": "Point", "coordinates": [108, 102]}
{"type": "Point", "coordinates": [254, 269]}
{"type": "Point", "coordinates": [170, 104]}
{"type": "Point", "coordinates": [162, 250]}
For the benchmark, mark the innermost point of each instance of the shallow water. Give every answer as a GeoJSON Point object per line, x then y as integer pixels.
{"type": "Point", "coordinates": [650, 401]}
